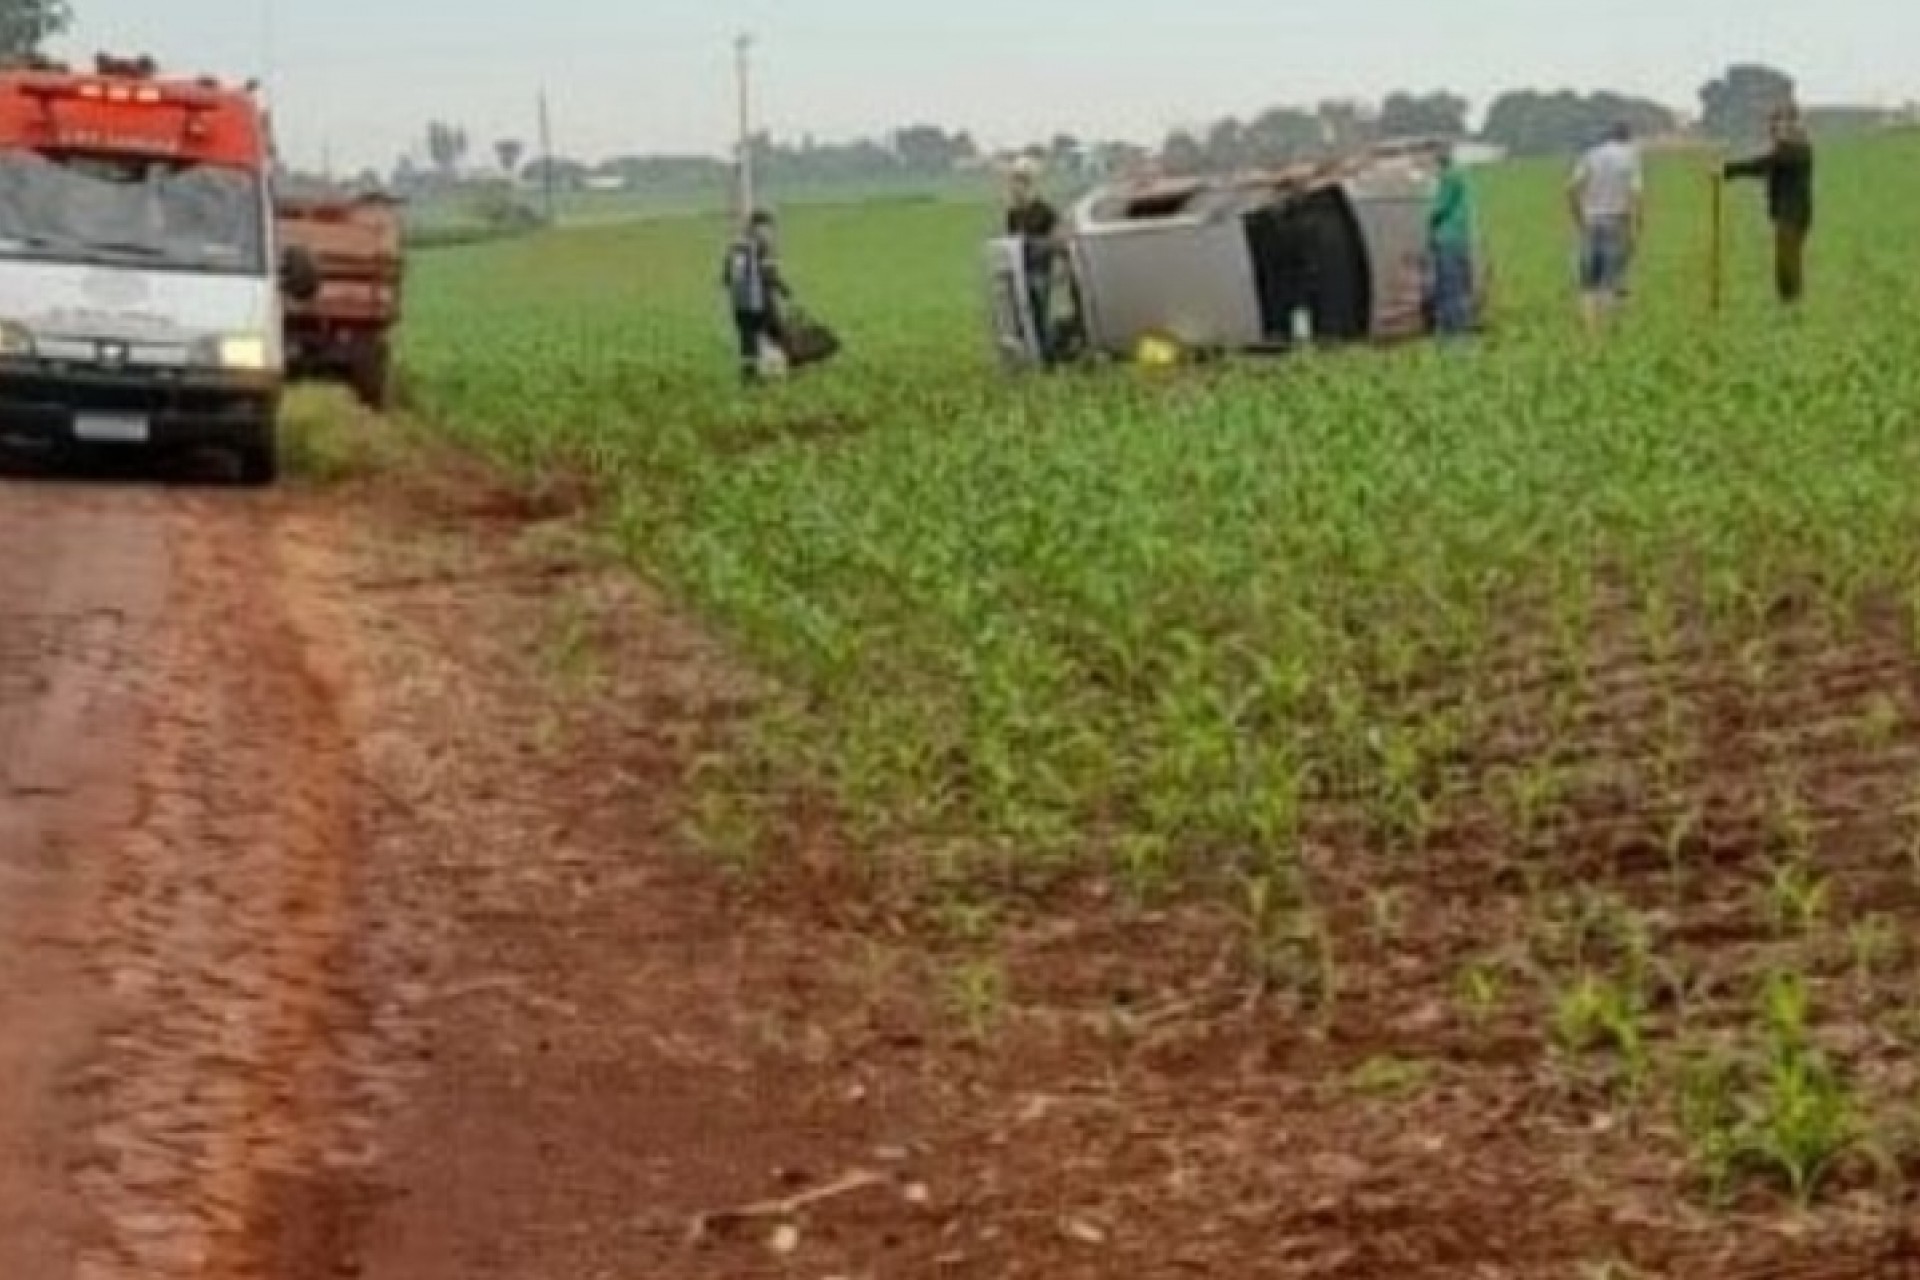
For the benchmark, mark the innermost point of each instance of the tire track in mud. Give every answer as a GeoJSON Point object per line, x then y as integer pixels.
{"type": "Point", "coordinates": [234, 1097]}
{"type": "Point", "coordinates": [82, 579]}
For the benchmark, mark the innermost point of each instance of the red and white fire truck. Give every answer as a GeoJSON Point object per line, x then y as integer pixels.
{"type": "Point", "coordinates": [140, 280]}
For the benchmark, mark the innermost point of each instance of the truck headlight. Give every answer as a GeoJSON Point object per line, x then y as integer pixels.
{"type": "Point", "coordinates": [15, 340]}
{"type": "Point", "coordinates": [238, 352]}
{"type": "Point", "coordinates": [246, 352]}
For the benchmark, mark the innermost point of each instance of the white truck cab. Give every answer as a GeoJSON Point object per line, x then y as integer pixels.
{"type": "Point", "coordinates": [139, 287]}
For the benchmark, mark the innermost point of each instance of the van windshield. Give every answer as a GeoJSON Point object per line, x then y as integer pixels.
{"type": "Point", "coordinates": [130, 212]}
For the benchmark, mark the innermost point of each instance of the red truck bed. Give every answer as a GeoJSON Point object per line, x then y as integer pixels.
{"type": "Point", "coordinates": [342, 331]}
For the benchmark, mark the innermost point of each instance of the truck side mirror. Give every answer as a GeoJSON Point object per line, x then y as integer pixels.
{"type": "Point", "coordinates": [299, 273]}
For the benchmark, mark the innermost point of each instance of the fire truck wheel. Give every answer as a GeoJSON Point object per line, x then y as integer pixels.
{"type": "Point", "coordinates": [259, 462]}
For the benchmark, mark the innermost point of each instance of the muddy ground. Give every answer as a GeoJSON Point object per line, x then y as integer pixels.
{"type": "Point", "coordinates": [347, 928]}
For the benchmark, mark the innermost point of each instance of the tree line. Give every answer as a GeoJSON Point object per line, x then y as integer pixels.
{"type": "Point", "coordinates": [1523, 122]}
{"type": "Point", "coordinates": [26, 26]}
{"type": "Point", "coordinates": [1520, 122]}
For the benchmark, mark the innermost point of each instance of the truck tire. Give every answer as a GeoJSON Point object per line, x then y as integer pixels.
{"type": "Point", "coordinates": [258, 453]}
{"type": "Point", "coordinates": [371, 374]}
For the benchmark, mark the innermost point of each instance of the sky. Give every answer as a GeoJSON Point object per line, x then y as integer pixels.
{"type": "Point", "coordinates": [355, 81]}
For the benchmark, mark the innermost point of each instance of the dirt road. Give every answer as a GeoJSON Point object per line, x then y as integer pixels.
{"type": "Point", "coordinates": [336, 937]}
{"type": "Point", "coordinates": [176, 829]}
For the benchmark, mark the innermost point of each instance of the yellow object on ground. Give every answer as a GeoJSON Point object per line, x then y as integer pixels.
{"type": "Point", "coordinates": [1156, 350]}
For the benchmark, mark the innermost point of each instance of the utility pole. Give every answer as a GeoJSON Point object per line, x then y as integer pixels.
{"type": "Point", "coordinates": [263, 84]}
{"type": "Point", "coordinates": [546, 155]}
{"type": "Point", "coordinates": [268, 54]}
{"type": "Point", "coordinates": [742, 48]}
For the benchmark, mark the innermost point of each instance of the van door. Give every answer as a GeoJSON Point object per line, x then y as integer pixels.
{"type": "Point", "coordinates": [1015, 330]}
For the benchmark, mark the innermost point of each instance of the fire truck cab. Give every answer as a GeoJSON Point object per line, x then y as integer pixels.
{"type": "Point", "coordinates": [140, 293]}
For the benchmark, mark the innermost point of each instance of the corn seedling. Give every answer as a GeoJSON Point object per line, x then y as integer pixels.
{"type": "Point", "coordinates": [570, 653]}
{"type": "Point", "coordinates": [1787, 1116]}
{"type": "Point", "coordinates": [1533, 794]}
{"type": "Point", "coordinates": [1287, 943]}
{"type": "Point", "coordinates": [1390, 1078]}
{"type": "Point", "coordinates": [977, 997]}
{"type": "Point", "coordinates": [966, 921]}
{"type": "Point", "coordinates": [1597, 1015]}
{"type": "Point", "coordinates": [1385, 916]}
{"type": "Point", "coordinates": [1313, 941]}
{"type": "Point", "coordinates": [1660, 628]}
{"type": "Point", "coordinates": [1797, 898]}
{"type": "Point", "coordinates": [1683, 827]}
{"type": "Point", "coordinates": [1879, 723]}
{"type": "Point", "coordinates": [1689, 987]}
{"type": "Point", "coordinates": [1481, 988]}
{"type": "Point", "coordinates": [1267, 905]}
{"type": "Point", "coordinates": [1708, 1111]}
{"type": "Point", "coordinates": [725, 827]}
{"type": "Point", "coordinates": [1802, 1117]}
{"type": "Point", "coordinates": [1756, 666]}
{"type": "Point", "coordinates": [1790, 825]}
{"type": "Point", "coordinates": [1402, 811]}
{"type": "Point", "coordinates": [1873, 945]}
{"type": "Point", "coordinates": [1144, 862]}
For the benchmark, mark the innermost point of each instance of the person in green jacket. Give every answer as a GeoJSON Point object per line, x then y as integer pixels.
{"type": "Point", "coordinates": [1450, 248]}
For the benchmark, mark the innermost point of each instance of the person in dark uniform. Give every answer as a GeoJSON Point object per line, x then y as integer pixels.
{"type": "Point", "coordinates": [1787, 168]}
{"type": "Point", "coordinates": [1037, 225]}
{"type": "Point", "coordinates": [755, 288]}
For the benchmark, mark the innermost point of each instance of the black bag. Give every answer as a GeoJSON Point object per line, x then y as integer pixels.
{"type": "Point", "coordinates": [806, 340]}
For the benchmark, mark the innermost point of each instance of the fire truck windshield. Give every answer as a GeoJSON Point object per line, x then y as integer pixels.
{"type": "Point", "coordinates": [131, 212]}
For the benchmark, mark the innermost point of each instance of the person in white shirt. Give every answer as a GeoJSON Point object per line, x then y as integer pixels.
{"type": "Point", "coordinates": [1607, 199]}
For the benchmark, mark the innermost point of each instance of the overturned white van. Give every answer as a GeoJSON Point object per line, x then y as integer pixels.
{"type": "Point", "coordinates": [1256, 262]}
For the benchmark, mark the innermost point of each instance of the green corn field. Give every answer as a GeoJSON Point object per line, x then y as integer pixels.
{"type": "Point", "coordinates": [1102, 608]}
{"type": "Point", "coordinates": [1494, 630]}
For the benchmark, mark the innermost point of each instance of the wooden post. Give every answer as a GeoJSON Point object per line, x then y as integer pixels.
{"type": "Point", "coordinates": [1716, 243]}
